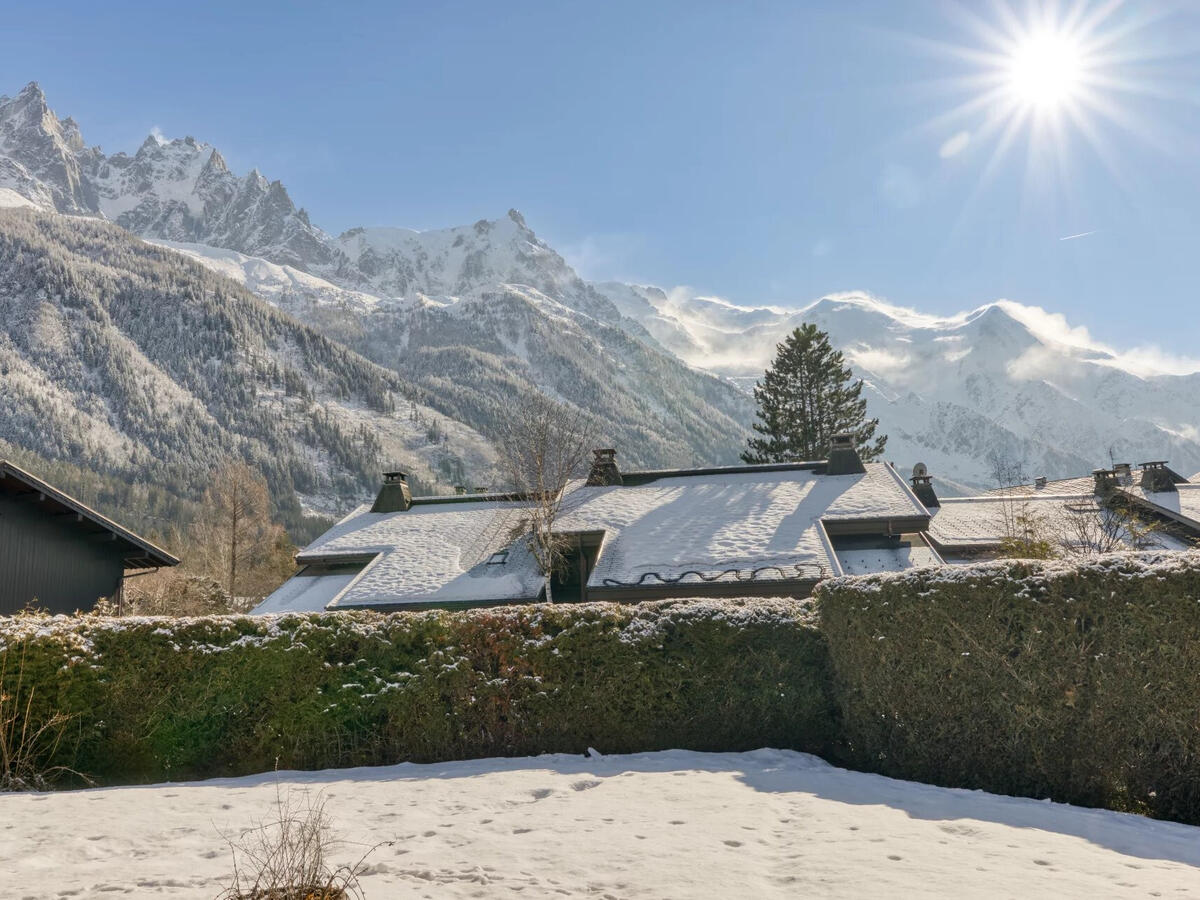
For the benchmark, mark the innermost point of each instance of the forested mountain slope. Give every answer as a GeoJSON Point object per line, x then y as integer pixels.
{"type": "Point", "coordinates": [483, 316]}
{"type": "Point", "coordinates": [141, 364]}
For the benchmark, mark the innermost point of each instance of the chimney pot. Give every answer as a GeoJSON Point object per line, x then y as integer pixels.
{"type": "Point", "coordinates": [394, 494]}
{"type": "Point", "coordinates": [923, 487]}
{"type": "Point", "coordinates": [1105, 481]}
{"type": "Point", "coordinates": [1156, 477]}
{"type": "Point", "coordinates": [604, 469]}
{"type": "Point", "coordinates": [843, 457]}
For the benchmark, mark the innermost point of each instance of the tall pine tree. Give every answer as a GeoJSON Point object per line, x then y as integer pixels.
{"type": "Point", "coordinates": [805, 398]}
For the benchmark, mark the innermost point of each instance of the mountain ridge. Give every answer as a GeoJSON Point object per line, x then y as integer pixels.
{"type": "Point", "coordinates": [483, 315]}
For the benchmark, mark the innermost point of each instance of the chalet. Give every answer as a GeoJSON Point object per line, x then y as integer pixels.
{"type": "Point", "coordinates": [1152, 508]}
{"type": "Point", "coordinates": [769, 530]}
{"type": "Point", "coordinates": [59, 555]}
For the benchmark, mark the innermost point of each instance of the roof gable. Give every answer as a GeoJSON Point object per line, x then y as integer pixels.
{"type": "Point", "coordinates": [138, 553]}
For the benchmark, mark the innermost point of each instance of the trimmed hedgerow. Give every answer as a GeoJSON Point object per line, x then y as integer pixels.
{"type": "Point", "coordinates": [1076, 681]}
{"type": "Point", "coordinates": [226, 695]}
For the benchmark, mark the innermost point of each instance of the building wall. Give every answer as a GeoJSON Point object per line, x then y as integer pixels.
{"type": "Point", "coordinates": [52, 561]}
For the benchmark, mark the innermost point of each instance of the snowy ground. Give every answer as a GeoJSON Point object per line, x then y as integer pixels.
{"type": "Point", "coordinates": [674, 824]}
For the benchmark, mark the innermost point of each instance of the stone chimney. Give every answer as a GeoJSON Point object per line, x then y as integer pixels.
{"type": "Point", "coordinates": [1105, 482]}
{"type": "Point", "coordinates": [843, 457]}
{"type": "Point", "coordinates": [604, 469]}
{"type": "Point", "coordinates": [1040, 482]}
{"type": "Point", "coordinates": [394, 494]}
{"type": "Point", "coordinates": [1124, 472]}
{"type": "Point", "coordinates": [1156, 477]}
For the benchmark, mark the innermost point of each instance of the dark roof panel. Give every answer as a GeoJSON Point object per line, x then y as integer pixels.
{"type": "Point", "coordinates": [141, 554]}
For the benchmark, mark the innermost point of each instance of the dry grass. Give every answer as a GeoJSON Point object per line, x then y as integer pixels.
{"type": "Point", "coordinates": [26, 744]}
{"type": "Point", "coordinates": [286, 857]}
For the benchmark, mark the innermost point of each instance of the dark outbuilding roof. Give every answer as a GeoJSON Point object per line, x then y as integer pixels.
{"type": "Point", "coordinates": [137, 552]}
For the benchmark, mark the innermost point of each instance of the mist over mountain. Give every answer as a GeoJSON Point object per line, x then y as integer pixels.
{"type": "Point", "coordinates": [477, 318]}
{"type": "Point", "coordinates": [955, 391]}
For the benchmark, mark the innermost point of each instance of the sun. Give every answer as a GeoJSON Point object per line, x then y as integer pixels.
{"type": "Point", "coordinates": [1046, 71]}
{"type": "Point", "coordinates": [1054, 76]}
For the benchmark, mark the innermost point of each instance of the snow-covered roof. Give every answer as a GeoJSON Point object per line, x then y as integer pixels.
{"type": "Point", "coordinates": [1084, 484]}
{"type": "Point", "coordinates": [1181, 504]}
{"type": "Point", "coordinates": [982, 523]}
{"type": "Point", "coordinates": [452, 552]}
{"type": "Point", "coordinates": [724, 526]}
{"type": "Point", "coordinates": [886, 556]}
{"type": "Point", "coordinates": [750, 525]}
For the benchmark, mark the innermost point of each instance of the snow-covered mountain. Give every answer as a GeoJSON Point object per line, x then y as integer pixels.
{"type": "Point", "coordinates": [148, 369]}
{"type": "Point", "coordinates": [482, 315]}
{"type": "Point", "coordinates": [955, 391]}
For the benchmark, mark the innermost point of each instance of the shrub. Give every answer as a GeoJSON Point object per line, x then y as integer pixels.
{"type": "Point", "coordinates": [228, 695]}
{"type": "Point", "coordinates": [286, 857]}
{"type": "Point", "coordinates": [1078, 681]}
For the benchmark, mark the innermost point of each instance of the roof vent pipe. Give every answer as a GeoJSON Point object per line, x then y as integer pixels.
{"type": "Point", "coordinates": [843, 457]}
{"type": "Point", "coordinates": [604, 469]}
{"type": "Point", "coordinates": [394, 494]}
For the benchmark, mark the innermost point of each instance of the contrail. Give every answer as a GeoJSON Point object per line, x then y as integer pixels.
{"type": "Point", "coordinates": [1071, 237]}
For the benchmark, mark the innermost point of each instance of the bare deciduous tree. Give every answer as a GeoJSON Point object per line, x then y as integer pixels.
{"type": "Point", "coordinates": [234, 538]}
{"type": "Point", "coordinates": [1091, 527]}
{"type": "Point", "coordinates": [543, 445]}
{"type": "Point", "coordinates": [1024, 532]}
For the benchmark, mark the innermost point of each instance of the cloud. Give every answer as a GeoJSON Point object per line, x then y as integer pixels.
{"type": "Point", "coordinates": [900, 187]}
{"type": "Point", "coordinates": [955, 145]}
{"type": "Point", "coordinates": [1072, 237]}
{"type": "Point", "coordinates": [1144, 361]}
{"type": "Point", "coordinates": [879, 361]}
{"type": "Point", "coordinates": [156, 133]}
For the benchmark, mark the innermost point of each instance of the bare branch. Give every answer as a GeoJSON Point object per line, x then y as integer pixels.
{"type": "Point", "coordinates": [543, 446]}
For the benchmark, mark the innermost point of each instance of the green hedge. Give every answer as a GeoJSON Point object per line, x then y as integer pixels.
{"type": "Point", "coordinates": [185, 698]}
{"type": "Point", "coordinates": [1078, 682]}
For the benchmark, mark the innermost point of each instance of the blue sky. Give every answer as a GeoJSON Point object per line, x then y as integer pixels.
{"type": "Point", "coordinates": [764, 152]}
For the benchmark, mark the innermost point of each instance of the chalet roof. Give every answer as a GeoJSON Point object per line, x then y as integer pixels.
{"type": "Point", "coordinates": [137, 552]}
{"type": "Point", "coordinates": [1084, 484]}
{"type": "Point", "coordinates": [703, 527]}
{"type": "Point", "coordinates": [452, 550]}
{"type": "Point", "coordinates": [737, 525]}
{"type": "Point", "coordinates": [970, 524]}
{"type": "Point", "coordinates": [1181, 505]}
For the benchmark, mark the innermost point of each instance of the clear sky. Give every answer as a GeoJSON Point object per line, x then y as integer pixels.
{"type": "Point", "coordinates": [763, 152]}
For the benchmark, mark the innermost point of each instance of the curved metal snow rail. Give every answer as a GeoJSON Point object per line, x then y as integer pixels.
{"type": "Point", "coordinates": [802, 573]}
